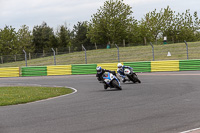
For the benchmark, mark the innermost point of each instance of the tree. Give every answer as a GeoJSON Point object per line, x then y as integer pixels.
{"type": "Point", "coordinates": [41, 37]}
{"type": "Point", "coordinates": [8, 42]}
{"type": "Point", "coordinates": [196, 26]}
{"type": "Point", "coordinates": [63, 37]}
{"type": "Point", "coordinates": [111, 23]}
{"type": "Point", "coordinates": [25, 39]}
{"type": "Point", "coordinates": [153, 25]}
{"type": "Point", "coordinates": [145, 33]}
{"type": "Point", "coordinates": [181, 26]}
{"type": "Point", "coordinates": [188, 27]}
{"type": "Point", "coordinates": [135, 34]}
{"type": "Point", "coordinates": [80, 36]}
{"type": "Point", "coordinates": [177, 27]}
{"type": "Point", "coordinates": [170, 24]}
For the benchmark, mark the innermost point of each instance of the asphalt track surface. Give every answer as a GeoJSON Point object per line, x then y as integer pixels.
{"type": "Point", "coordinates": [166, 102]}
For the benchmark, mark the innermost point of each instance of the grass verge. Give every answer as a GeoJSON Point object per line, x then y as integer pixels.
{"type": "Point", "coordinates": [13, 95]}
{"type": "Point", "coordinates": [127, 54]}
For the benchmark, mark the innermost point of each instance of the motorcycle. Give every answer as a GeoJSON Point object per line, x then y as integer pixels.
{"type": "Point", "coordinates": [132, 76]}
{"type": "Point", "coordinates": [111, 81]}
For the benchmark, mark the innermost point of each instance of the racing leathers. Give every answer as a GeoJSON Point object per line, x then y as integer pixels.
{"type": "Point", "coordinates": [121, 72]}
{"type": "Point", "coordinates": [100, 77]}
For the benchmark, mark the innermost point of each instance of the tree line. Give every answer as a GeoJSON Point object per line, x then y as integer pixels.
{"type": "Point", "coordinates": [113, 23]}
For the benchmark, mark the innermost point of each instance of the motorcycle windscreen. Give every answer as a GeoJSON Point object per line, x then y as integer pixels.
{"type": "Point", "coordinates": [106, 75]}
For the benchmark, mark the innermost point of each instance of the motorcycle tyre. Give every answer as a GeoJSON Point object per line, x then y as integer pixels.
{"type": "Point", "coordinates": [136, 78]}
{"type": "Point", "coordinates": [131, 78]}
{"type": "Point", "coordinates": [116, 85]}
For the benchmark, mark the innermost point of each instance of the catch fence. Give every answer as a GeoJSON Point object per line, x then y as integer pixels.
{"type": "Point", "coordinates": [67, 56]}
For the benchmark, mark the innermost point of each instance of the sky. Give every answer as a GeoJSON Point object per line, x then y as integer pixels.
{"type": "Point", "coordinates": [16, 13]}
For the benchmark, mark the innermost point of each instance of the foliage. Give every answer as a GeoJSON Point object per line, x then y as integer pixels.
{"type": "Point", "coordinates": [8, 42]}
{"type": "Point", "coordinates": [111, 23]}
{"type": "Point", "coordinates": [41, 37]}
{"type": "Point", "coordinates": [63, 36]}
{"type": "Point", "coordinates": [177, 27]}
{"type": "Point", "coordinates": [25, 39]}
{"type": "Point", "coordinates": [80, 36]}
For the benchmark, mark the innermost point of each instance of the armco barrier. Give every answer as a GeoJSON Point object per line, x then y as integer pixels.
{"type": "Point", "coordinates": [34, 71]}
{"type": "Point", "coordinates": [146, 66]}
{"type": "Point", "coordinates": [158, 66]}
{"type": "Point", "coordinates": [189, 65]}
{"type": "Point", "coordinates": [9, 72]}
{"type": "Point", "coordinates": [59, 70]}
{"type": "Point", "coordinates": [139, 66]}
{"type": "Point", "coordinates": [84, 69]}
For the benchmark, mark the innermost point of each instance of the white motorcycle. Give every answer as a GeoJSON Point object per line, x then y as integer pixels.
{"type": "Point", "coordinates": [111, 81]}
{"type": "Point", "coordinates": [132, 76]}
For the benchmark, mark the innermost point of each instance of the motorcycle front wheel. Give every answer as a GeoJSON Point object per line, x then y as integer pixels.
{"type": "Point", "coordinates": [136, 78]}
{"type": "Point", "coordinates": [116, 85]}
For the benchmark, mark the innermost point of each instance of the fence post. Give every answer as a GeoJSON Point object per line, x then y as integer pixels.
{"type": "Point", "coordinates": [117, 52]}
{"type": "Point", "coordinates": [186, 48]}
{"type": "Point", "coordinates": [152, 50]}
{"type": "Point", "coordinates": [29, 56]}
{"type": "Point", "coordinates": [54, 54]}
{"type": "Point", "coordinates": [85, 54]}
{"type": "Point", "coordinates": [124, 43]}
{"type": "Point", "coordinates": [25, 57]}
{"type": "Point", "coordinates": [43, 52]}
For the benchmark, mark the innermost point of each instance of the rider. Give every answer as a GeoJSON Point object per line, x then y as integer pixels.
{"type": "Point", "coordinates": [99, 74]}
{"type": "Point", "coordinates": [120, 71]}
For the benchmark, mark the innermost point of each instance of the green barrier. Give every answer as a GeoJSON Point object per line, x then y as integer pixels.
{"type": "Point", "coordinates": [139, 66]}
{"type": "Point", "coordinates": [189, 65]}
{"type": "Point", "coordinates": [34, 71]}
{"type": "Point", "coordinates": [145, 66]}
{"type": "Point", "coordinates": [84, 69]}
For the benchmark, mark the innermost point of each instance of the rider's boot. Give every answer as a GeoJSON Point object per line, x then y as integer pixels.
{"type": "Point", "coordinates": [123, 80]}
{"type": "Point", "coordinates": [105, 86]}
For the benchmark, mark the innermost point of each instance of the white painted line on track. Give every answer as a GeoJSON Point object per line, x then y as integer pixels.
{"type": "Point", "coordinates": [55, 97]}
{"type": "Point", "coordinates": [196, 130]}
{"type": "Point", "coordinates": [75, 90]}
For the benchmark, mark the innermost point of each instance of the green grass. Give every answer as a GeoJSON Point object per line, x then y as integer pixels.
{"type": "Point", "coordinates": [23, 94]}
{"type": "Point", "coordinates": [127, 54]}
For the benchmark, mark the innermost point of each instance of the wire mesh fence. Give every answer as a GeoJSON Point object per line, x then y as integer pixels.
{"type": "Point", "coordinates": [67, 56]}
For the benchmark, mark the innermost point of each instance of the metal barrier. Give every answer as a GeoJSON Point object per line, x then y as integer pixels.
{"type": "Point", "coordinates": [144, 66]}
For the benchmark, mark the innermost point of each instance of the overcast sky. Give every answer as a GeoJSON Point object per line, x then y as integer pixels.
{"type": "Point", "coordinates": [16, 13]}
